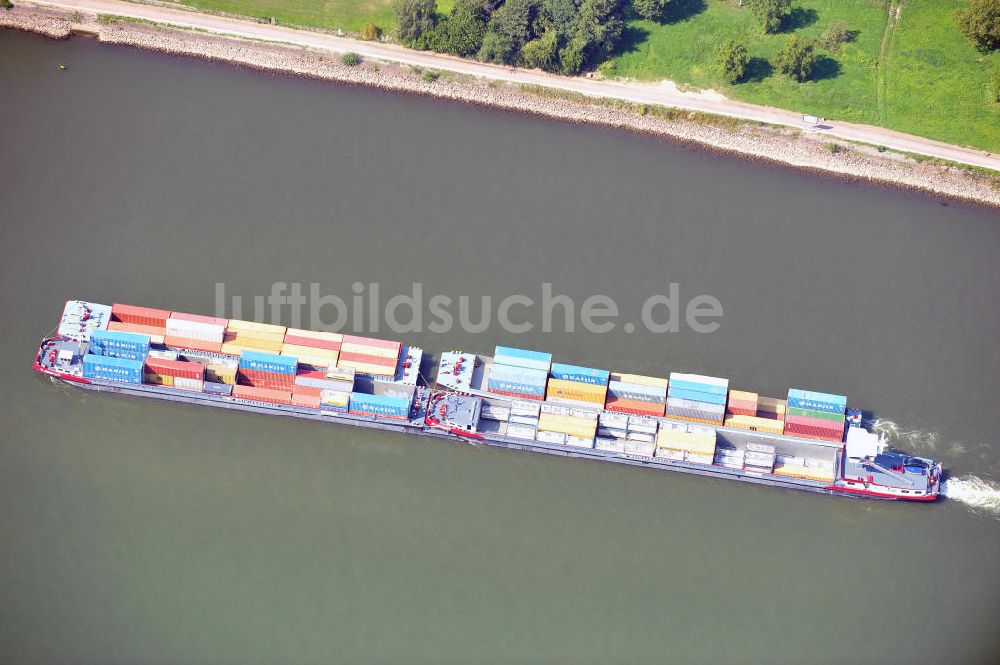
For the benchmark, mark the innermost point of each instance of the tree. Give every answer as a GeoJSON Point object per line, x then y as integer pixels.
{"type": "Point", "coordinates": [414, 19]}
{"type": "Point", "coordinates": [980, 22]}
{"type": "Point", "coordinates": [651, 10]}
{"type": "Point", "coordinates": [733, 60]}
{"type": "Point", "coordinates": [572, 56]}
{"type": "Point", "coordinates": [600, 24]}
{"type": "Point", "coordinates": [513, 21]}
{"type": "Point", "coordinates": [370, 31]}
{"type": "Point", "coordinates": [542, 52]}
{"type": "Point", "coordinates": [835, 34]}
{"type": "Point", "coordinates": [496, 48]}
{"type": "Point", "coordinates": [562, 13]}
{"type": "Point", "coordinates": [797, 59]}
{"type": "Point", "coordinates": [772, 13]}
{"type": "Point", "coordinates": [466, 26]}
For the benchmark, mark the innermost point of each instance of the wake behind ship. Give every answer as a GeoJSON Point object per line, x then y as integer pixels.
{"type": "Point", "coordinates": [517, 398]}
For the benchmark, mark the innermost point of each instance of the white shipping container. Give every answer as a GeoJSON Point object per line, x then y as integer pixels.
{"type": "Point", "coordinates": [698, 378]}
{"type": "Point", "coordinates": [586, 414]}
{"type": "Point", "coordinates": [550, 437]}
{"type": "Point", "coordinates": [610, 445]}
{"type": "Point", "coordinates": [164, 355]}
{"type": "Point", "coordinates": [555, 409]}
{"type": "Point", "coordinates": [614, 420]}
{"type": "Point", "coordinates": [529, 421]}
{"type": "Point", "coordinates": [640, 448]}
{"type": "Point", "coordinates": [491, 412]}
{"type": "Point", "coordinates": [207, 332]}
{"type": "Point", "coordinates": [671, 454]}
{"type": "Point", "coordinates": [579, 442]}
{"type": "Point", "coordinates": [181, 383]}
{"type": "Point", "coordinates": [523, 407]}
{"type": "Point", "coordinates": [760, 448]}
{"type": "Point", "coordinates": [611, 433]}
{"type": "Point", "coordinates": [700, 459]}
{"type": "Point", "coordinates": [520, 431]}
{"type": "Point", "coordinates": [641, 436]}
{"type": "Point", "coordinates": [643, 424]}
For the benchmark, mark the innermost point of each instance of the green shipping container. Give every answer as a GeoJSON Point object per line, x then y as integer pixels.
{"type": "Point", "coordinates": [810, 413]}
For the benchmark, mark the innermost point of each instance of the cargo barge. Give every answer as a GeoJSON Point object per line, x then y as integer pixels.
{"type": "Point", "coordinates": [516, 399]}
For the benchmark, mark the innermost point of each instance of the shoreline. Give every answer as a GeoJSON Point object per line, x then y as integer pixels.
{"type": "Point", "coordinates": [751, 141]}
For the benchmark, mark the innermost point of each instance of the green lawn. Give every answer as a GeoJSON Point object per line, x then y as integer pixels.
{"type": "Point", "coordinates": [935, 80]}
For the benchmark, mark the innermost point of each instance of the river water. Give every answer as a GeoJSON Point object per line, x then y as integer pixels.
{"type": "Point", "coordinates": [141, 532]}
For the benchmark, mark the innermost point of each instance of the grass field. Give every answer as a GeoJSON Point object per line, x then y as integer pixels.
{"type": "Point", "coordinates": [918, 75]}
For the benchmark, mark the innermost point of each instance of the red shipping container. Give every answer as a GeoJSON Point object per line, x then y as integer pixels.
{"type": "Point", "coordinates": [175, 368]}
{"type": "Point", "coordinates": [378, 361]}
{"type": "Point", "coordinates": [143, 316]}
{"type": "Point", "coordinates": [311, 401]}
{"type": "Point", "coordinates": [262, 394]}
{"type": "Point", "coordinates": [370, 341]}
{"type": "Point", "coordinates": [119, 326]}
{"type": "Point", "coordinates": [312, 342]}
{"type": "Point", "coordinates": [310, 391]}
{"type": "Point", "coordinates": [819, 423]}
{"type": "Point", "coordinates": [813, 432]}
{"type": "Point", "coordinates": [310, 373]}
{"type": "Point", "coordinates": [380, 416]}
{"type": "Point", "coordinates": [198, 318]}
{"type": "Point", "coordinates": [741, 407]}
{"type": "Point", "coordinates": [634, 407]}
{"type": "Point", "coordinates": [194, 344]}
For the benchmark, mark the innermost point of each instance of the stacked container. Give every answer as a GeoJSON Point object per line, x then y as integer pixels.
{"type": "Point", "coordinates": [522, 423]}
{"type": "Point", "coordinates": [760, 457]}
{"type": "Point", "coordinates": [563, 424]}
{"type": "Point", "coordinates": [742, 413]}
{"type": "Point", "coordinates": [612, 432]}
{"type": "Point", "coordinates": [641, 436]}
{"type": "Point", "coordinates": [317, 389]}
{"type": "Point", "coordinates": [320, 349]}
{"type": "Point", "coordinates": [519, 382]}
{"type": "Point", "coordinates": [175, 374]}
{"type": "Point", "coordinates": [742, 403]}
{"type": "Point", "coordinates": [577, 386]}
{"type": "Point", "coordinates": [142, 320]}
{"type": "Point", "coordinates": [222, 371]}
{"type": "Point", "coordinates": [638, 395]}
{"type": "Point", "coordinates": [730, 458]}
{"type": "Point", "coordinates": [690, 443]}
{"type": "Point", "coordinates": [815, 415]}
{"type": "Point", "coordinates": [368, 355]}
{"type": "Point", "coordinates": [697, 398]}
{"type": "Point", "coordinates": [111, 368]}
{"type": "Point", "coordinates": [382, 406]}
{"type": "Point", "coordinates": [258, 394]}
{"type": "Point", "coordinates": [191, 331]}
{"type": "Point", "coordinates": [131, 346]}
{"type": "Point", "coordinates": [267, 370]}
{"type": "Point", "coordinates": [242, 336]}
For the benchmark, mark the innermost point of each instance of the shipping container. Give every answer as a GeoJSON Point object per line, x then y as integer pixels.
{"type": "Point", "coordinates": [695, 396]}
{"type": "Point", "coordinates": [698, 387]}
{"type": "Point", "coordinates": [639, 448]}
{"type": "Point", "coordinates": [628, 406]}
{"type": "Point", "coordinates": [819, 423]}
{"type": "Point", "coordinates": [310, 355]}
{"type": "Point", "coordinates": [618, 420]}
{"type": "Point", "coordinates": [578, 392]}
{"type": "Point", "coordinates": [582, 427]}
{"type": "Point", "coordinates": [521, 431]}
{"type": "Point", "coordinates": [524, 420]}
{"type": "Point", "coordinates": [716, 383]}
{"type": "Point", "coordinates": [550, 437]}
{"type": "Point", "coordinates": [610, 445]}
{"type": "Point", "coordinates": [323, 340]}
{"type": "Point", "coordinates": [268, 362]}
{"type": "Point", "coordinates": [806, 432]}
{"type": "Point", "coordinates": [262, 394]}
{"type": "Point", "coordinates": [112, 368]}
{"type": "Point", "coordinates": [795, 471]}
{"type": "Point", "coordinates": [813, 413]}
{"type": "Point", "coordinates": [177, 368]}
{"type": "Point", "coordinates": [516, 395]}
{"type": "Point", "coordinates": [528, 359]}
{"type": "Point", "coordinates": [308, 401]}
{"type": "Point", "coordinates": [221, 373]}
{"type": "Point", "coordinates": [254, 327]}
{"type": "Point", "coordinates": [563, 372]}
{"type": "Point", "coordinates": [307, 390]}
{"type": "Point", "coordinates": [643, 424]}
{"type": "Point", "coordinates": [670, 454]}
{"type": "Point", "coordinates": [580, 441]}
{"type": "Point", "coordinates": [143, 316]}
{"type": "Point", "coordinates": [638, 379]}
{"type": "Point", "coordinates": [525, 408]}
{"type": "Point", "coordinates": [192, 326]}
{"type": "Point", "coordinates": [510, 379]}
{"type": "Point", "coordinates": [194, 385]}
{"type": "Point", "coordinates": [192, 344]}
{"type": "Point", "coordinates": [119, 344]}
{"type": "Point", "coordinates": [158, 380]}
{"type": "Point", "coordinates": [355, 358]}
{"type": "Point", "coordinates": [155, 334]}
{"type": "Point", "coordinates": [335, 398]}
{"type": "Point", "coordinates": [638, 392]}
{"type": "Point", "coordinates": [810, 399]}
{"type": "Point", "coordinates": [218, 388]}
{"type": "Point", "coordinates": [382, 353]}
{"type": "Point", "coordinates": [379, 405]}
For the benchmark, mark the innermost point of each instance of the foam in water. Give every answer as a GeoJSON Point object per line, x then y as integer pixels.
{"type": "Point", "coordinates": [982, 496]}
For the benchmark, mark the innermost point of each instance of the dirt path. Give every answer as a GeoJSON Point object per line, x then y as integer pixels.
{"type": "Point", "coordinates": [893, 15]}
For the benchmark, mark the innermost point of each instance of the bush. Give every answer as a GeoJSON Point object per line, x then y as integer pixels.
{"type": "Point", "coordinates": [733, 60]}
{"type": "Point", "coordinates": [772, 13]}
{"type": "Point", "coordinates": [980, 22]}
{"type": "Point", "coordinates": [370, 31]}
{"type": "Point", "coordinates": [351, 59]}
{"type": "Point", "coordinates": [835, 34]}
{"type": "Point", "coordinates": [651, 10]}
{"type": "Point", "coordinates": [6, 4]}
{"type": "Point", "coordinates": [797, 59]}
{"type": "Point", "coordinates": [430, 76]}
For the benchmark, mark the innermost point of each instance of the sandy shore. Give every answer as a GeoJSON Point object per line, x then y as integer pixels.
{"type": "Point", "coordinates": [754, 141]}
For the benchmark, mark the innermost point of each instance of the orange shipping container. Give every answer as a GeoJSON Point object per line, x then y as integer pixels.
{"type": "Point", "coordinates": [311, 401]}
{"type": "Point", "coordinates": [262, 394]}
{"type": "Point", "coordinates": [634, 407]}
{"type": "Point", "coordinates": [144, 316]}
{"type": "Point", "coordinates": [193, 344]}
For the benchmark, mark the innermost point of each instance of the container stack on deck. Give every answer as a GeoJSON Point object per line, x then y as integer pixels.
{"type": "Point", "coordinates": [175, 374]}
{"type": "Point", "coordinates": [691, 443]}
{"type": "Point", "coordinates": [319, 349]}
{"type": "Point", "coordinates": [564, 424]}
{"type": "Point", "coordinates": [241, 336]}
{"type": "Point", "coordinates": [743, 412]}
{"type": "Point", "coordinates": [131, 346]}
{"type": "Point", "coordinates": [328, 389]}
{"type": "Point", "coordinates": [383, 406]}
{"type": "Point", "coordinates": [268, 371]}
{"type": "Point", "coordinates": [700, 399]}
{"type": "Point", "coordinates": [111, 368]}
{"type": "Point", "coordinates": [191, 331]}
{"type": "Point", "coordinates": [367, 355]}
{"type": "Point", "coordinates": [142, 320]}
{"type": "Point", "coordinates": [637, 395]}
{"type": "Point", "coordinates": [519, 373]}
{"type": "Point", "coordinates": [815, 415]}
{"type": "Point", "coordinates": [523, 420]}
{"type": "Point", "coordinates": [640, 437]}
{"type": "Point", "coordinates": [577, 386]}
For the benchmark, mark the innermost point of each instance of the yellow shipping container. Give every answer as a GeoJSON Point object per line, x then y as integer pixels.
{"type": "Point", "coordinates": [806, 472]}
{"type": "Point", "coordinates": [580, 427]}
{"type": "Point", "coordinates": [652, 381]}
{"type": "Point", "coordinates": [234, 348]}
{"type": "Point", "coordinates": [756, 424]}
{"type": "Point", "coordinates": [699, 444]}
{"type": "Point", "coordinates": [235, 325]}
{"type": "Point", "coordinates": [315, 334]}
{"type": "Point", "coordinates": [743, 395]}
{"type": "Point", "coordinates": [581, 392]}
{"type": "Point", "coordinates": [158, 379]}
{"type": "Point", "coordinates": [370, 350]}
{"type": "Point", "coordinates": [771, 405]}
{"type": "Point", "coordinates": [221, 374]}
{"type": "Point", "coordinates": [248, 337]}
{"type": "Point", "coordinates": [310, 355]}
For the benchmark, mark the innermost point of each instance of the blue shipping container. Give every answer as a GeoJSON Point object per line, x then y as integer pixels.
{"type": "Point", "coordinates": [518, 380]}
{"type": "Point", "coordinates": [698, 387]}
{"type": "Point", "coordinates": [506, 355]}
{"type": "Point", "coordinates": [697, 396]}
{"type": "Point", "coordinates": [379, 405]}
{"type": "Point", "coordinates": [132, 346]}
{"type": "Point", "coordinates": [112, 368]}
{"type": "Point", "coordinates": [596, 377]}
{"type": "Point", "coordinates": [809, 399]}
{"type": "Point", "coordinates": [268, 362]}
{"type": "Point", "coordinates": [213, 388]}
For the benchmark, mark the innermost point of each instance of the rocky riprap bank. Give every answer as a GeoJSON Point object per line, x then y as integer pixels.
{"type": "Point", "coordinates": [781, 145]}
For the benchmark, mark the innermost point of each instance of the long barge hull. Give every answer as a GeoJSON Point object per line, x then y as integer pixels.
{"type": "Point", "coordinates": [419, 427]}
